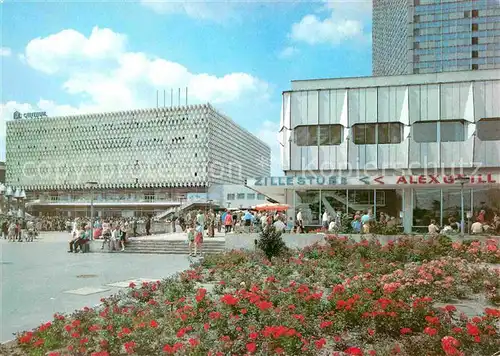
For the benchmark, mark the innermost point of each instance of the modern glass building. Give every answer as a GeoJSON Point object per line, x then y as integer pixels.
{"type": "Point", "coordinates": [148, 160]}
{"type": "Point", "coordinates": [415, 147]}
{"type": "Point", "coordinates": [429, 36]}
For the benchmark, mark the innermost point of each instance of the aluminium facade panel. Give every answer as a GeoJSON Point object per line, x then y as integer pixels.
{"type": "Point", "coordinates": [438, 124]}
{"type": "Point", "coordinates": [150, 148]}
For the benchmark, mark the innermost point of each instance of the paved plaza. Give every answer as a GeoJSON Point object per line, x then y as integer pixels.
{"type": "Point", "coordinates": [41, 278]}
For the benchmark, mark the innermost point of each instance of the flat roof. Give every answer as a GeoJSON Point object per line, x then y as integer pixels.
{"type": "Point", "coordinates": [395, 80]}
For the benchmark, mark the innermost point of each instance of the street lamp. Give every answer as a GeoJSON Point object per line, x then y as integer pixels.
{"type": "Point", "coordinates": [19, 195]}
{"type": "Point", "coordinates": [22, 197]}
{"type": "Point", "coordinates": [8, 194]}
{"type": "Point", "coordinates": [462, 180]}
{"type": "Point", "coordinates": [91, 186]}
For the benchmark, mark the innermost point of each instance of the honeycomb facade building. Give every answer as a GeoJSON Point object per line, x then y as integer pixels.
{"type": "Point", "coordinates": [150, 159]}
{"type": "Point", "coordinates": [432, 36]}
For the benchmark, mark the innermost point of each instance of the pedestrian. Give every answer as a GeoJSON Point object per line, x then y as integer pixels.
{"type": "Point", "coordinates": [228, 222]}
{"type": "Point", "coordinates": [148, 226]}
{"type": "Point", "coordinates": [191, 245]}
{"type": "Point", "coordinates": [198, 240]}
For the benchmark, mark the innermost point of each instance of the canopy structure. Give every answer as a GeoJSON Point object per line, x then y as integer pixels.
{"type": "Point", "coordinates": [271, 207]}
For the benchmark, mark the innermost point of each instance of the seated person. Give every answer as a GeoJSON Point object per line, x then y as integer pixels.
{"type": "Point", "coordinates": [476, 228]}
{"type": "Point", "coordinates": [77, 237]}
{"type": "Point", "coordinates": [433, 228]}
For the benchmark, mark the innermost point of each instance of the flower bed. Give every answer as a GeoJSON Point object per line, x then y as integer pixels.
{"type": "Point", "coordinates": [345, 298]}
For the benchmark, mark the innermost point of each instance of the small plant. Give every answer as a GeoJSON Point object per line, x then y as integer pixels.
{"type": "Point", "coordinates": [271, 243]}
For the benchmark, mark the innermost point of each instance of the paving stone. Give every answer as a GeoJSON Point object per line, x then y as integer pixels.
{"type": "Point", "coordinates": [87, 291]}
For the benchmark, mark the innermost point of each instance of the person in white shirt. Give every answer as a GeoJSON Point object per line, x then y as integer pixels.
{"type": "Point", "coordinates": [433, 228]}
{"type": "Point", "coordinates": [325, 219]}
{"type": "Point", "coordinates": [477, 228]}
{"type": "Point", "coordinates": [300, 223]}
{"type": "Point", "coordinates": [332, 226]}
{"type": "Point", "coordinates": [280, 226]}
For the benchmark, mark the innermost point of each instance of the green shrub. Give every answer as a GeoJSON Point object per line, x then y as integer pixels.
{"type": "Point", "coordinates": [271, 243]}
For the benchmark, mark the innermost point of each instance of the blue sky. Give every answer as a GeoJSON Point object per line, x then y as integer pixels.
{"type": "Point", "coordinates": [74, 57]}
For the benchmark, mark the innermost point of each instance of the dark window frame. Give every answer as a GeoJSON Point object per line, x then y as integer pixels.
{"type": "Point", "coordinates": [393, 130]}
{"type": "Point", "coordinates": [334, 137]}
{"type": "Point", "coordinates": [479, 131]}
{"type": "Point", "coordinates": [439, 129]}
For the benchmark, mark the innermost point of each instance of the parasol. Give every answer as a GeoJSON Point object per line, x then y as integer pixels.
{"type": "Point", "coordinates": [272, 207]}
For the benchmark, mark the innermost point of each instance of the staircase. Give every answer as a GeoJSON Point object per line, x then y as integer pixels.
{"type": "Point", "coordinates": [172, 247]}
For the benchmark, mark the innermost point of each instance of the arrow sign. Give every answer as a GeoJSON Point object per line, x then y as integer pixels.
{"type": "Point", "coordinates": [365, 180]}
{"type": "Point", "coordinates": [379, 180]}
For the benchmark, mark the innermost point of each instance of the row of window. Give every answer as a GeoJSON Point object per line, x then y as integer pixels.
{"type": "Point", "coordinates": [392, 133]}
{"type": "Point", "coordinates": [459, 21]}
{"type": "Point", "coordinates": [241, 196]}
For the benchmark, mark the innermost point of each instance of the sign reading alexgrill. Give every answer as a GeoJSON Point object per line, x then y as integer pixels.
{"type": "Point", "coordinates": [29, 115]}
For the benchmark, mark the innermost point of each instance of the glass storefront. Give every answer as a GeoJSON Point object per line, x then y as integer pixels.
{"type": "Point", "coordinates": [425, 204]}
{"type": "Point", "coordinates": [313, 203]}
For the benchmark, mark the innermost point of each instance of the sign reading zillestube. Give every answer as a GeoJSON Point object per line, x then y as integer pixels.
{"type": "Point", "coordinates": [377, 180]}
{"type": "Point", "coordinates": [29, 115]}
{"type": "Point", "coordinates": [299, 180]}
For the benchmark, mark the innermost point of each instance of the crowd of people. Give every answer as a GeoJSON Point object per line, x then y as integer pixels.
{"type": "Point", "coordinates": [19, 229]}
{"type": "Point", "coordinates": [478, 224]}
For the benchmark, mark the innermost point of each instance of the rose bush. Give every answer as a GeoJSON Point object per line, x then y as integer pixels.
{"type": "Point", "coordinates": [341, 298]}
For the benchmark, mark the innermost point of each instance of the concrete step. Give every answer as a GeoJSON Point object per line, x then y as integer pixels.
{"type": "Point", "coordinates": [162, 252]}
{"type": "Point", "coordinates": [171, 249]}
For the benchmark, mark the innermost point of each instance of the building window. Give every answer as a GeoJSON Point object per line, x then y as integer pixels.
{"type": "Point", "coordinates": [425, 131]}
{"type": "Point", "coordinates": [488, 129]}
{"type": "Point", "coordinates": [330, 135]}
{"type": "Point", "coordinates": [475, 27]}
{"type": "Point", "coordinates": [230, 196]}
{"type": "Point", "coordinates": [475, 54]}
{"type": "Point", "coordinates": [447, 131]}
{"type": "Point", "coordinates": [475, 40]}
{"type": "Point", "coordinates": [306, 135]}
{"type": "Point", "coordinates": [370, 134]}
{"type": "Point", "coordinates": [251, 196]}
{"type": "Point", "coordinates": [452, 131]}
{"type": "Point", "coordinates": [240, 196]}
{"type": "Point", "coordinates": [475, 66]}
{"type": "Point", "coordinates": [261, 197]}
{"type": "Point", "coordinates": [364, 134]}
{"type": "Point", "coordinates": [389, 133]}
{"type": "Point", "coordinates": [475, 13]}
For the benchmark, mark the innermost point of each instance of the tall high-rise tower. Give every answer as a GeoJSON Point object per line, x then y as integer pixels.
{"type": "Point", "coordinates": [429, 36]}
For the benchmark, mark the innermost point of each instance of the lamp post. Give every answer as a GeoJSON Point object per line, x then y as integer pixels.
{"type": "Point", "coordinates": [462, 180]}
{"type": "Point", "coordinates": [8, 194]}
{"type": "Point", "coordinates": [91, 186]}
{"type": "Point", "coordinates": [22, 199]}
{"type": "Point", "coordinates": [20, 195]}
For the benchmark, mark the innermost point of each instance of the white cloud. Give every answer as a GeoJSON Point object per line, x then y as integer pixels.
{"type": "Point", "coordinates": [5, 51]}
{"type": "Point", "coordinates": [345, 21]}
{"type": "Point", "coordinates": [56, 52]}
{"type": "Point", "coordinates": [100, 68]}
{"type": "Point", "coordinates": [288, 52]}
{"type": "Point", "coordinates": [217, 11]}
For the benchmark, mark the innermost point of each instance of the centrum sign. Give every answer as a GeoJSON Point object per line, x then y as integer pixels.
{"type": "Point", "coordinates": [29, 115]}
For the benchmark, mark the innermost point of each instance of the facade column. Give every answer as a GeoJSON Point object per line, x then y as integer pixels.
{"type": "Point", "coordinates": [407, 209]}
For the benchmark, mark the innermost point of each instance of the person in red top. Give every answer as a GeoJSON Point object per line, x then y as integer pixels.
{"type": "Point", "coordinates": [228, 222]}
{"type": "Point", "coordinates": [480, 216]}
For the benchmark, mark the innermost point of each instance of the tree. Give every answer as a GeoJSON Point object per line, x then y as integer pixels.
{"type": "Point", "coordinates": [271, 243]}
